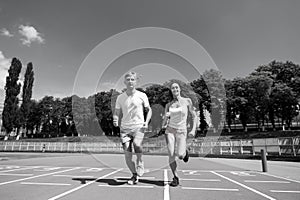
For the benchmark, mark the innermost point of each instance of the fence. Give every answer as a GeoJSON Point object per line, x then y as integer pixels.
{"type": "Point", "coordinates": [279, 146]}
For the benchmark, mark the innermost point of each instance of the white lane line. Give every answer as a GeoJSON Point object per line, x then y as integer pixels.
{"type": "Point", "coordinates": [23, 179]}
{"type": "Point", "coordinates": [48, 184]}
{"type": "Point", "coordinates": [208, 171]}
{"type": "Point", "coordinates": [46, 169]}
{"type": "Point", "coordinates": [204, 180]}
{"type": "Point", "coordinates": [244, 186]}
{"type": "Point", "coordinates": [82, 186]}
{"type": "Point", "coordinates": [255, 181]}
{"type": "Point", "coordinates": [19, 169]}
{"type": "Point", "coordinates": [9, 166]}
{"type": "Point", "coordinates": [284, 191]}
{"type": "Point", "coordinates": [166, 186]}
{"type": "Point", "coordinates": [73, 176]}
{"type": "Point", "coordinates": [280, 177]}
{"type": "Point", "coordinates": [242, 173]}
{"type": "Point", "coordinates": [210, 189]}
{"type": "Point", "coordinates": [8, 174]}
{"type": "Point", "coordinates": [126, 186]}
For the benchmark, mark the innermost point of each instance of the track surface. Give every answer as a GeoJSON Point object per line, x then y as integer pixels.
{"type": "Point", "coordinates": [104, 176]}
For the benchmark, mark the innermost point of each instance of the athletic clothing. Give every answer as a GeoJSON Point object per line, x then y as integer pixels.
{"type": "Point", "coordinates": [178, 116]}
{"type": "Point", "coordinates": [129, 134]}
{"type": "Point", "coordinates": [176, 138]}
{"type": "Point", "coordinates": [132, 107]}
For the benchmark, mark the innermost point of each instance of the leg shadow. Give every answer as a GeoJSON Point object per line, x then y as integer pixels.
{"type": "Point", "coordinates": [83, 180]}
{"type": "Point", "coordinates": [146, 181]}
{"type": "Point", "coordinates": [112, 181]}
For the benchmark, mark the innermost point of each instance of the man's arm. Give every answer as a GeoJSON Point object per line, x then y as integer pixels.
{"type": "Point", "coordinates": [116, 117]}
{"type": "Point", "coordinates": [148, 110]}
{"type": "Point", "coordinates": [148, 116]}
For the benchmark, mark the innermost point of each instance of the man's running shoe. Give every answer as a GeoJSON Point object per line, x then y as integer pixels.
{"type": "Point", "coordinates": [187, 156]}
{"type": "Point", "coordinates": [133, 180]}
{"type": "Point", "coordinates": [140, 169]}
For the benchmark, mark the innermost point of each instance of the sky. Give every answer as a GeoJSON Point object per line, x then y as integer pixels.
{"type": "Point", "coordinates": [61, 38]}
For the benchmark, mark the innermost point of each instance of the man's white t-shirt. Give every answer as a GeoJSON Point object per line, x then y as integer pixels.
{"type": "Point", "coordinates": [132, 108]}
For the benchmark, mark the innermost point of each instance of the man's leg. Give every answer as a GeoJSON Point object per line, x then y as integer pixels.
{"type": "Point", "coordinates": [127, 146]}
{"type": "Point", "coordinates": [137, 144]}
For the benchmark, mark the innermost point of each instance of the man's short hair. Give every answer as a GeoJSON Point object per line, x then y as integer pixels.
{"type": "Point", "coordinates": [131, 74]}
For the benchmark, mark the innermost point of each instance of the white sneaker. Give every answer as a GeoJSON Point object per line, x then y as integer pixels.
{"type": "Point", "coordinates": [140, 169]}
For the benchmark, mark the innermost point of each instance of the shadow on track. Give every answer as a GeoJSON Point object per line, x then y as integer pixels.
{"type": "Point", "coordinates": [119, 181]}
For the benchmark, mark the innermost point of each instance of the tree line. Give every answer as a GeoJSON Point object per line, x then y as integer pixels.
{"type": "Point", "coordinates": [269, 94]}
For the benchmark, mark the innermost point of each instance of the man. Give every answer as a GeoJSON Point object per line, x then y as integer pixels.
{"type": "Point", "coordinates": [131, 104]}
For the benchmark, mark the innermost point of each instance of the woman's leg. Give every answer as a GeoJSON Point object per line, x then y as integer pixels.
{"type": "Point", "coordinates": [170, 139]}
{"type": "Point", "coordinates": [181, 145]}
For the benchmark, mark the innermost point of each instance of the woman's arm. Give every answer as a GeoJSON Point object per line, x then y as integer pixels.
{"type": "Point", "coordinates": [194, 117]}
{"type": "Point", "coordinates": [166, 116]}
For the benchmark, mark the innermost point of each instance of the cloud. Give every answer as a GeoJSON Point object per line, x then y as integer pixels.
{"type": "Point", "coordinates": [4, 66]}
{"type": "Point", "coordinates": [5, 32]}
{"type": "Point", "coordinates": [30, 34]}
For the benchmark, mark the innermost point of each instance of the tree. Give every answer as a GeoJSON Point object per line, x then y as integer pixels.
{"type": "Point", "coordinates": [215, 85]}
{"type": "Point", "coordinates": [259, 87]}
{"type": "Point", "coordinates": [56, 116]}
{"type": "Point", "coordinates": [103, 107]}
{"type": "Point", "coordinates": [27, 94]}
{"type": "Point", "coordinates": [285, 102]}
{"type": "Point", "coordinates": [45, 107]}
{"type": "Point", "coordinates": [158, 96]}
{"type": "Point", "coordinates": [12, 90]}
{"type": "Point", "coordinates": [34, 117]}
{"type": "Point", "coordinates": [230, 115]}
{"type": "Point", "coordinates": [200, 88]}
{"type": "Point", "coordinates": [67, 107]}
{"type": "Point", "coordinates": [286, 73]}
{"type": "Point", "coordinates": [242, 106]}
{"type": "Point", "coordinates": [84, 115]}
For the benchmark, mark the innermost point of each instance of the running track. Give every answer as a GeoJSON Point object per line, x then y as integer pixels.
{"type": "Point", "coordinates": [103, 176]}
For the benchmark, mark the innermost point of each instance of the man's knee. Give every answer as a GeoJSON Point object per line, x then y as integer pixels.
{"type": "Point", "coordinates": [138, 148]}
{"type": "Point", "coordinates": [137, 143]}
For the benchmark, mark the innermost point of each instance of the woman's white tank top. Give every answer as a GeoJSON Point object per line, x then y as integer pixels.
{"type": "Point", "coordinates": [178, 117]}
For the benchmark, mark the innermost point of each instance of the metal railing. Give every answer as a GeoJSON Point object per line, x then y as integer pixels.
{"type": "Point", "coordinates": [279, 146]}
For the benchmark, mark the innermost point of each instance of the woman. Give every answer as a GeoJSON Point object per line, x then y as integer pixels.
{"type": "Point", "coordinates": [175, 125]}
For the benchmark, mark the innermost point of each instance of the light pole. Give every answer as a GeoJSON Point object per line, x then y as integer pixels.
{"type": "Point", "coordinates": [50, 123]}
{"type": "Point", "coordinates": [49, 120]}
{"type": "Point", "coordinates": [237, 116]}
{"type": "Point", "coordinates": [298, 113]}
